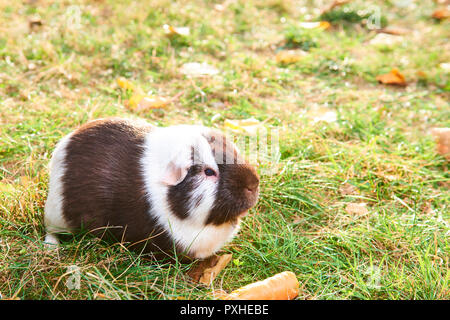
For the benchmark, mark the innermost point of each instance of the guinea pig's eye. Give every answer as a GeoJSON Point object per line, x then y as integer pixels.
{"type": "Point", "coordinates": [210, 172]}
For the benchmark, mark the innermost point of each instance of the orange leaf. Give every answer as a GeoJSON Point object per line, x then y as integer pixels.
{"type": "Point", "coordinates": [396, 31]}
{"type": "Point", "coordinates": [394, 77]}
{"type": "Point", "coordinates": [421, 74]}
{"type": "Point", "coordinates": [440, 14]}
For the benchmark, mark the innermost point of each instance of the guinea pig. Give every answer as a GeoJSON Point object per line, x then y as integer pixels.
{"type": "Point", "coordinates": [178, 189]}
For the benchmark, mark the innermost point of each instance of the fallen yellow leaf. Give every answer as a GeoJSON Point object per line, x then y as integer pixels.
{"type": "Point", "coordinates": [141, 102]}
{"type": "Point", "coordinates": [152, 102]}
{"type": "Point", "coordinates": [125, 84]}
{"type": "Point", "coordinates": [289, 56]}
{"type": "Point", "coordinates": [394, 77]}
{"type": "Point", "coordinates": [315, 25]}
{"type": "Point", "coordinates": [134, 100]}
{"type": "Point", "coordinates": [249, 126]}
{"type": "Point", "coordinates": [176, 31]}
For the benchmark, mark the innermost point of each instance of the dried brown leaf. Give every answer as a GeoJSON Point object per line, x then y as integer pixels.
{"type": "Point", "coordinates": [211, 273]}
{"type": "Point", "coordinates": [395, 31]}
{"type": "Point", "coordinates": [207, 270]}
{"type": "Point", "coordinates": [441, 14]}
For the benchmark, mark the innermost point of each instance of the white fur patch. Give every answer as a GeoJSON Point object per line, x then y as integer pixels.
{"type": "Point", "coordinates": [162, 146]}
{"type": "Point", "coordinates": [51, 240]}
{"type": "Point", "coordinates": [54, 219]}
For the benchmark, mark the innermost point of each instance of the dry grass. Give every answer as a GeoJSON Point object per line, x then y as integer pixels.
{"type": "Point", "coordinates": [61, 73]}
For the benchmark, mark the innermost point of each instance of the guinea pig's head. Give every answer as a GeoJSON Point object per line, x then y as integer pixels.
{"type": "Point", "coordinates": [207, 180]}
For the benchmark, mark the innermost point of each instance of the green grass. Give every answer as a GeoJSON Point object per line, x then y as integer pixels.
{"type": "Point", "coordinates": [378, 151]}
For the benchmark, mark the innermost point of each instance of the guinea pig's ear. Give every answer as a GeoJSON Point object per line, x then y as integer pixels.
{"type": "Point", "coordinates": [174, 174]}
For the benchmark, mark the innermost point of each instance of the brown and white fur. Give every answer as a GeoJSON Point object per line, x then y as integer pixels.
{"type": "Point", "coordinates": [180, 187]}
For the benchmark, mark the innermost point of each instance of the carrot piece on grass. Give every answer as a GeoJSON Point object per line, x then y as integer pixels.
{"type": "Point", "coordinates": [282, 286]}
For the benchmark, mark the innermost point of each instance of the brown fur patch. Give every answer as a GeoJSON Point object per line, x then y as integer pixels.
{"type": "Point", "coordinates": [103, 185]}
{"type": "Point", "coordinates": [179, 196]}
{"type": "Point", "coordinates": [238, 183]}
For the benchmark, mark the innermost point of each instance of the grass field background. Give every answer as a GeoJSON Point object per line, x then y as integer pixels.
{"type": "Point", "coordinates": [358, 207]}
